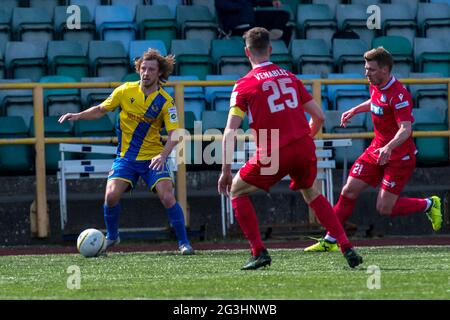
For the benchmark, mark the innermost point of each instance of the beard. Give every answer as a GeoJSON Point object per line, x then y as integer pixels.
{"type": "Point", "coordinates": [148, 83]}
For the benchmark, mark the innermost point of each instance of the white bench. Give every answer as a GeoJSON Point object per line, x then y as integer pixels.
{"type": "Point", "coordinates": [325, 165]}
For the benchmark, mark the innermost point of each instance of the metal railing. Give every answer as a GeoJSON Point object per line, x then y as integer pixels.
{"type": "Point", "coordinates": [39, 140]}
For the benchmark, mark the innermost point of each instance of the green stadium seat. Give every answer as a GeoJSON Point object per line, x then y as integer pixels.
{"type": "Point", "coordinates": [47, 5]}
{"type": "Point", "coordinates": [229, 57]}
{"type": "Point", "coordinates": [138, 47]}
{"type": "Point", "coordinates": [14, 158]}
{"type": "Point", "coordinates": [431, 150]}
{"type": "Point", "coordinates": [130, 77]}
{"type": "Point", "coordinates": [324, 94]}
{"type": "Point", "coordinates": [398, 19]}
{"type": "Point", "coordinates": [83, 35]}
{"type": "Point", "coordinates": [316, 21]}
{"type": "Point", "coordinates": [89, 4]}
{"type": "Point", "coordinates": [67, 58]}
{"type": "Point", "coordinates": [401, 50]}
{"type": "Point", "coordinates": [94, 96]}
{"type": "Point", "coordinates": [52, 128]}
{"type": "Point", "coordinates": [26, 60]}
{"type": "Point", "coordinates": [60, 101]}
{"type": "Point", "coordinates": [348, 55]}
{"type": "Point", "coordinates": [115, 23]}
{"type": "Point", "coordinates": [108, 59]}
{"type": "Point", "coordinates": [214, 120]}
{"type": "Point", "coordinates": [311, 56]}
{"type": "Point", "coordinates": [434, 20]}
{"type": "Point", "coordinates": [156, 22]}
{"type": "Point", "coordinates": [218, 97]}
{"type": "Point", "coordinates": [101, 127]}
{"type": "Point", "coordinates": [171, 4]}
{"type": "Point", "coordinates": [280, 55]}
{"type": "Point", "coordinates": [429, 95]}
{"type": "Point", "coordinates": [196, 22]}
{"type": "Point", "coordinates": [354, 16]}
{"type": "Point", "coordinates": [194, 97]}
{"type": "Point", "coordinates": [332, 4]}
{"type": "Point", "coordinates": [32, 24]}
{"type": "Point", "coordinates": [17, 102]}
{"type": "Point", "coordinates": [5, 31]}
{"type": "Point", "coordinates": [192, 58]}
{"type": "Point", "coordinates": [432, 55]}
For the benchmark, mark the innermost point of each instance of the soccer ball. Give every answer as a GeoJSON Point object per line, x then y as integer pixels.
{"type": "Point", "coordinates": [90, 242]}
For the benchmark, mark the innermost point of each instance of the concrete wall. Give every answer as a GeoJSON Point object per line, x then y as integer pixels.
{"type": "Point", "coordinates": [143, 209]}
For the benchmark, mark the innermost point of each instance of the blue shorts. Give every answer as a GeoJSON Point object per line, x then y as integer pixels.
{"type": "Point", "coordinates": [130, 171]}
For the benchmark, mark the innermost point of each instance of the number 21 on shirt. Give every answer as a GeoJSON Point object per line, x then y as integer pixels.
{"type": "Point", "coordinates": [279, 87]}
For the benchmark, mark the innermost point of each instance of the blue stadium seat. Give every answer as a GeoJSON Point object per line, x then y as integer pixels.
{"type": "Point", "coordinates": [432, 55]}
{"type": "Point", "coordinates": [32, 24]}
{"type": "Point", "coordinates": [324, 94]}
{"type": "Point", "coordinates": [311, 56]}
{"type": "Point", "coordinates": [60, 101]}
{"type": "Point", "coordinates": [429, 95]}
{"type": "Point", "coordinates": [83, 35]}
{"type": "Point", "coordinates": [354, 16]}
{"type": "Point", "coordinates": [348, 55]}
{"type": "Point", "coordinates": [172, 4]}
{"type": "Point", "coordinates": [47, 5]}
{"type": "Point", "coordinates": [67, 58]}
{"type": "Point", "coordinates": [115, 23]}
{"type": "Point", "coordinates": [332, 4]}
{"type": "Point", "coordinates": [89, 4]}
{"type": "Point", "coordinates": [346, 96]}
{"type": "Point", "coordinates": [434, 20]}
{"type": "Point", "coordinates": [17, 102]}
{"type": "Point", "coordinates": [130, 4]}
{"type": "Point", "coordinates": [229, 57]}
{"type": "Point", "coordinates": [316, 21]}
{"type": "Point", "coordinates": [2, 66]}
{"type": "Point", "coordinates": [94, 96]}
{"type": "Point", "coordinates": [101, 127]}
{"type": "Point", "coordinates": [9, 5]}
{"type": "Point", "coordinates": [218, 97]}
{"type": "Point", "coordinates": [196, 22]}
{"type": "Point", "coordinates": [398, 20]}
{"type": "Point", "coordinates": [194, 97]}
{"type": "Point", "coordinates": [138, 47]}
{"type": "Point", "coordinates": [26, 59]}
{"type": "Point", "coordinates": [5, 30]}
{"type": "Point", "coordinates": [108, 59]}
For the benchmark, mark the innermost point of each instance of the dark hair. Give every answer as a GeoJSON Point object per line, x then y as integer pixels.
{"type": "Point", "coordinates": [165, 64]}
{"type": "Point", "coordinates": [257, 40]}
{"type": "Point", "coordinates": [381, 56]}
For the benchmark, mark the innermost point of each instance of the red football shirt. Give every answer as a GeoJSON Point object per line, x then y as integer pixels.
{"type": "Point", "coordinates": [272, 98]}
{"type": "Point", "coordinates": [389, 106]}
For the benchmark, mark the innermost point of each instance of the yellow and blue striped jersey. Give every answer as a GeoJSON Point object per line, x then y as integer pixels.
{"type": "Point", "coordinates": [141, 119]}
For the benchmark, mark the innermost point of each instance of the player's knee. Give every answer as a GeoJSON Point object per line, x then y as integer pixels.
{"type": "Point", "coordinates": [167, 199]}
{"type": "Point", "coordinates": [349, 192]}
{"type": "Point", "coordinates": [384, 209]}
{"type": "Point", "coordinates": [112, 198]}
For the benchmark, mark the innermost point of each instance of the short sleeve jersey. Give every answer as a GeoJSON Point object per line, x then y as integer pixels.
{"type": "Point", "coordinates": [272, 98]}
{"type": "Point", "coordinates": [389, 106]}
{"type": "Point", "coordinates": [141, 119]}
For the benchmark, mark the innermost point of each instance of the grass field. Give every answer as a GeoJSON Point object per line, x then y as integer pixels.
{"type": "Point", "coordinates": [405, 273]}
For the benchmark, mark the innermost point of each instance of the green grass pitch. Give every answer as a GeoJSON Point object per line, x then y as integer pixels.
{"type": "Point", "coordinates": [414, 272]}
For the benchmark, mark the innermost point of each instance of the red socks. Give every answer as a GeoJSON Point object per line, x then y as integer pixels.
{"type": "Point", "coordinates": [344, 208]}
{"type": "Point", "coordinates": [330, 221]}
{"type": "Point", "coordinates": [246, 216]}
{"type": "Point", "coordinates": [407, 206]}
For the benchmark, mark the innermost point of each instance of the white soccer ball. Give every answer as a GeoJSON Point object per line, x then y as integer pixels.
{"type": "Point", "coordinates": [90, 242]}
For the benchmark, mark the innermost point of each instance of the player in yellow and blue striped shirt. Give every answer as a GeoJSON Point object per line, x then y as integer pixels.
{"type": "Point", "coordinates": [144, 108]}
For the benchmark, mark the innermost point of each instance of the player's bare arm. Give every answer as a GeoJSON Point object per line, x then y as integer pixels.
{"type": "Point", "coordinates": [225, 179]}
{"type": "Point", "coordinates": [317, 116]}
{"type": "Point", "coordinates": [403, 133]}
{"type": "Point", "coordinates": [157, 162]}
{"type": "Point", "coordinates": [89, 114]}
{"type": "Point", "coordinates": [347, 115]}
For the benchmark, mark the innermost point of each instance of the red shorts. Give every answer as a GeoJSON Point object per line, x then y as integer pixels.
{"type": "Point", "coordinates": [298, 160]}
{"type": "Point", "coordinates": [393, 176]}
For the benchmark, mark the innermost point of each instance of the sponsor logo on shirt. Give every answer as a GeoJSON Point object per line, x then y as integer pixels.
{"type": "Point", "coordinates": [401, 105]}
{"type": "Point", "coordinates": [377, 110]}
{"type": "Point", "coordinates": [173, 117]}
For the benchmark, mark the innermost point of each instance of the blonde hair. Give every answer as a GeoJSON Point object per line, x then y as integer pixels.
{"type": "Point", "coordinates": [381, 56]}
{"type": "Point", "coordinates": [165, 64]}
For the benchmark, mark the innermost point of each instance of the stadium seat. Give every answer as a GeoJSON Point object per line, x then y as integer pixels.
{"type": "Point", "coordinates": [401, 50]}
{"type": "Point", "coordinates": [108, 59]}
{"type": "Point", "coordinates": [366, 2]}
{"type": "Point", "coordinates": [356, 124]}
{"type": "Point", "coordinates": [194, 98]}
{"type": "Point", "coordinates": [26, 59]}
{"type": "Point", "coordinates": [83, 35]}
{"type": "Point", "coordinates": [67, 58]}
{"type": "Point", "coordinates": [412, 4]}
{"type": "Point", "coordinates": [9, 5]}
{"type": "Point", "coordinates": [431, 150]}
{"type": "Point", "coordinates": [348, 55]}
{"type": "Point", "coordinates": [432, 55]}
{"type": "Point", "coordinates": [211, 122]}
{"type": "Point", "coordinates": [89, 4]}
{"type": "Point", "coordinates": [229, 57]}
{"type": "Point", "coordinates": [94, 96]}
{"type": "Point", "coordinates": [130, 77]}
{"type": "Point", "coordinates": [60, 101]}
{"type": "Point", "coordinates": [14, 158]}
{"type": "Point", "coordinates": [428, 95]}
{"type": "Point", "coordinates": [398, 20]}
{"type": "Point", "coordinates": [192, 57]}
{"type": "Point", "coordinates": [2, 66]}
{"type": "Point", "coordinates": [171, 4]}
{"type": "Point", "coordinates": [207, 3]}
{"type": "Point", "coordinates": [156, 22]}
{"type": "Point", "coordinates": [332, 4]}
{"type": "Point", "coordinates": [311, 56]}
{"type": "Point", "coordinates": [52, 128]}
{"type": "Point", "coordinates": [17, 102]}
{"type": "Point", "coordinates": [346, 96]}
{"type": "Point", "coordinates": [48, 5]}
{"type": "Point", "coordinates": [324, 94]}
{"type": "Point", "coordinates": [101, 127]}
{"type": "Point", "coordinates": [115, 23]}
{"type": "Point", "coordinates": [218, 97]}
{"type": "Point", "coordinates": [32, 24]}
{"type": "Point", "coordinates": [316, 21]}
{"type": "Point", "coordinates": [354, 16]}
{"type": "Point", "coordinates": [138, 47]}
{"type": "Point", "coordinates": [5, 30]}
{"type": "Point", "coordinates": [280, 55]}
{"type": "Point", "coordinates": [434, 20]}
{"type": "Point", "coordinates": [130, 4]}
{"type": "Point", "coordinates": [196, 22]}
